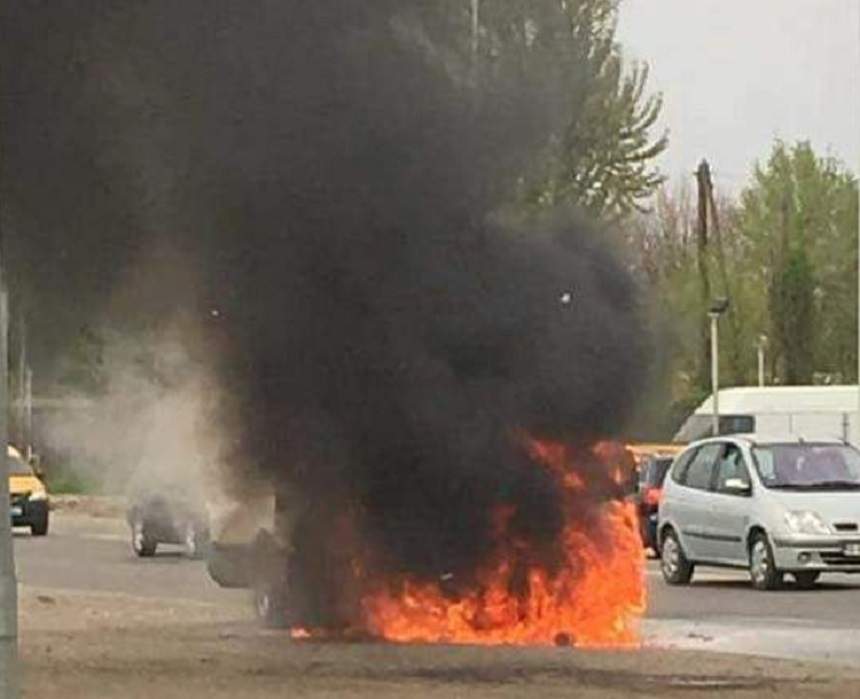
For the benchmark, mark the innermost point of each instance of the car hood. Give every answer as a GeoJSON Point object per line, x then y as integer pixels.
{"type": "Point", "coordinates": [832, 506]}
{"type": "Point", "coordinates": [24, 484]}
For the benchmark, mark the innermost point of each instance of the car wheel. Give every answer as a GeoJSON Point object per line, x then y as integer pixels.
{"type": "Point", "coordinates": [195, 540]}
{"type": "Point", "coordinates": [806, 579]}
{"type": "Point", "coordinates": [763, 570]}
{"type": "Point", "coordinates": [676, 568]}
{"type": "Point", "coordinates": [269, 605]}
{"type": "Point", "coordinates": [40, 527]}
{"type": "Point", "coordinates": [143, 544]}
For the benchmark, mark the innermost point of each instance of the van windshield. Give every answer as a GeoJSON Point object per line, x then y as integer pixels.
{"type": "Point", "coordinates": [699, 426]}
{"type": "Point", "coordinates": [808, 466]}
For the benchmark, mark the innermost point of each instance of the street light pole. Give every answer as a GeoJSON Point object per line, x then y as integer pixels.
{"type": "Point", "coordinates": [718, 307]}
{"type": "Point", "coordinates": [715, 371]}
{"type": "Point", "coordinates": [762, 343]}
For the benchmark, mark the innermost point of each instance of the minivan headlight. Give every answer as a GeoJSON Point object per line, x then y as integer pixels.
{"type": "Point", "coordinates": [805, 522]}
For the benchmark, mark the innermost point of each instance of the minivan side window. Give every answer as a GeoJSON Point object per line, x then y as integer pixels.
{"type": "Point", "coordinates": [680, 467]}
{"type": "Point", "coordinates": [701, 469]}
{"type": "Point", "coordinates": [731, 467]}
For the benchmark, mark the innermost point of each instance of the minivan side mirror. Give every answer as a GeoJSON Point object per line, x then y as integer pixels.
{"type": "Point", "coordinates": [737, 486]}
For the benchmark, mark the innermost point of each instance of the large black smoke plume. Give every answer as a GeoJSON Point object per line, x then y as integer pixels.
{"type": "Point", "coordinates": [329, 182]}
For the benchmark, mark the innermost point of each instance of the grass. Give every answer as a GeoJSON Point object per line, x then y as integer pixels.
{"type": "Point", "coordinates": [70, 483]}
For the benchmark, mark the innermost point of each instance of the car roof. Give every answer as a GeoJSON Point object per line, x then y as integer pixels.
{"type": "Point", "coordinates": [773, 438]}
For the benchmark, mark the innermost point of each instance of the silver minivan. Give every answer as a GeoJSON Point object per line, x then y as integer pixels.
{"type": "Point", "coordinates": [772, 505]}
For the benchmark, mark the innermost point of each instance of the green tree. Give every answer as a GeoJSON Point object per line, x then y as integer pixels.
{"type": "Point", "coordinates": [601, 155]}
{"type": "Point", "coordinates": [798, 222]}
{"type": "Point", "coordinates": [789, 247]}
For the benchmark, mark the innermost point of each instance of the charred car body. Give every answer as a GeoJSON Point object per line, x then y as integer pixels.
{"type": "Point", "coordinates": [271, 546]}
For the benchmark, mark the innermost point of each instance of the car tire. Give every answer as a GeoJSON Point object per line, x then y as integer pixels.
{"type": "Point", "coordinates": [195, 540]}
{"type": "Point", "coordinates": [269, 605]}
{"type": "Point", "coordinates": [763, 571]}
{"type": "Point", "coordinates": [40, 526]}
{"type": "Point", "coordinates": [806, 579]}
{"type": "Point", "coordinates": [674, 564]}
{"type": "Point", "coordinates": [141, 542]}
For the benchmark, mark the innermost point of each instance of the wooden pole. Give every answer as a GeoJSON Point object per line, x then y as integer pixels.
{"type": "Point", "coordinates": [8, 582]}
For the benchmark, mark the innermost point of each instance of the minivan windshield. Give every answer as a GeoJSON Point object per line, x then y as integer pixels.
{"type": "Point", "coordinates": [808, 466]}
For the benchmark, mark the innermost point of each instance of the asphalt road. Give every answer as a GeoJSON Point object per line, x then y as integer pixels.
{"type": "Point", "coordinates": [94, 555]}
{"type": "Point", "coordinates": [719, 611]}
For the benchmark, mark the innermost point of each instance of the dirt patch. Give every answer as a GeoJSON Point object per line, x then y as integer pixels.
{"type": "Point", "coordinates": [80, 646]}
{"type": "Point", "coordinates": [101, 506]}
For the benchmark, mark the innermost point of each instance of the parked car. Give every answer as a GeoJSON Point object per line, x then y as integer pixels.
{"type": "Point", "coordinates": [771, 505]}
{"type": "Point", "coordinates": [29, 504]}
{"type": "Point", "coordinates": [167, 516]}
{"type": "Point", "coordinates": [653, 468]}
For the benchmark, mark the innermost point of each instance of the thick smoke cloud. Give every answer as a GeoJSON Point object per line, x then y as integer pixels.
{"type": "Point", "coordinates": [329, 189]}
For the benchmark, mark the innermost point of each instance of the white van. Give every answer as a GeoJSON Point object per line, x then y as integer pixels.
{"type": "Point", "coordinates": [821, 411]}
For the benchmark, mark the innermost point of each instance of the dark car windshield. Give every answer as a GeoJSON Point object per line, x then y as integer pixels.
{"type": "Point", "coordinates": [18, 467]}
{"type": "Point", "coordinates": [655, 473]}
{"type": "Point", "coordinates": [808, 466]}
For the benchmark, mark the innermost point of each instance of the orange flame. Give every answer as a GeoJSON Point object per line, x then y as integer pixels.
{"type": "Point", "coordinates": [596, 599]}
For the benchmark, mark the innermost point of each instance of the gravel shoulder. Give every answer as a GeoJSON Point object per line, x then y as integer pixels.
{"type": "Point", "coordinates": [81, 645]}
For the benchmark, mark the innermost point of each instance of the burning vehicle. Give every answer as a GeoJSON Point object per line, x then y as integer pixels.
{"type": "Point", "coordinates": [427, 383]}
{"type": "Point", "coordinates": [418, 357]}
{"type": "Point", "coordinates": [594, 597]}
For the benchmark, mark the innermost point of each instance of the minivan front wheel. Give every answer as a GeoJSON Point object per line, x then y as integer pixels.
{"type": "Point", "coordinates": [677, 570]}
{"type": "Point", "coordinates": [763, 570]}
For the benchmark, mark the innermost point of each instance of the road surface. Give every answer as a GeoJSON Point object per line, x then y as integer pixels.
{"type": "Point", "coordinates": [720, 611]}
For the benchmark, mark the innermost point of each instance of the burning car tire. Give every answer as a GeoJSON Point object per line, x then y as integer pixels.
{"type": "Point", "coordinates": [141, 542]}
{"type": "Point", "coordinates": [676, 568]}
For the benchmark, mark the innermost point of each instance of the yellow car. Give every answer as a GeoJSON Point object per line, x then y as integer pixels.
{"type": "Point", "coordinates": [29, 502]}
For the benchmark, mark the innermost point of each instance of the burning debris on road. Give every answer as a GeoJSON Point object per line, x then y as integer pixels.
{"type": "Point", "coordinates": [430, 373]}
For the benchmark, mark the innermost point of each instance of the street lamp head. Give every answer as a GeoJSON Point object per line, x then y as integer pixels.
{"type": "Point", "coordinates": [719, 306]}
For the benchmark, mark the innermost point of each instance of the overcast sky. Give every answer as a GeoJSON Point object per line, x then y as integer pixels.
{"type": "Point", "coordinates": [736, 74]}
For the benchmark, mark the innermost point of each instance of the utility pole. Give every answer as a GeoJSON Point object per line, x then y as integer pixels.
{"type": "Point", "coordinates": [722, 267]}
{"type": "Point", "coordinates": [28, 412]}
{"type": "Point", "coordinates": [703, 176]}
{"type": "Point", "coordinates": [476, 27]}
{"type": "Point", "coordinates": [8, 582]}
{"type": "Point", "coordinates": [19, 435]}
